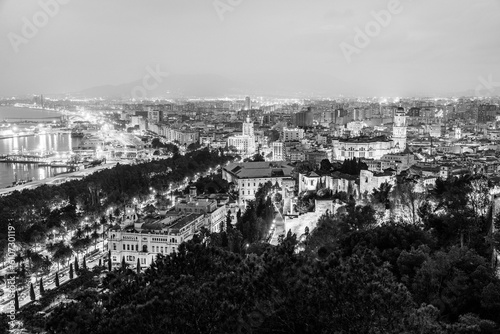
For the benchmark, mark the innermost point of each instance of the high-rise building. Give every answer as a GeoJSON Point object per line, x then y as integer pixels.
{"type": "Point", "coordinates": [248, 103]}
{"type": "Point", "coordinates": [399, 130]}
{"type": "Point", "coordinates": [245, 143]}
{"type": "Point", "coordinates": [248, 127]}
{"type": "Point", "coordinates": [42, 102]}
{"type": "Point", "coordinates": [487, 113]}
{"type": "Point", "coordinates": [304, 118]}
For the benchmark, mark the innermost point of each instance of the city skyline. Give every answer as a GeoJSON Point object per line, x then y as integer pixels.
{"type": "Point", "coordinates": [294, 48]}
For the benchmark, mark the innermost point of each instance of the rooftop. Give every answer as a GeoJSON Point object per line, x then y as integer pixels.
{"type": "Point", "coordinates": [365, 139]}
{"type": "Point", "coordinates": [261, 169]}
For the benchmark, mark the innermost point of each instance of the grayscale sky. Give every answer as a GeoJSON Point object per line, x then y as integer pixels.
{"type": "Point", "coordinates": [431, 46]}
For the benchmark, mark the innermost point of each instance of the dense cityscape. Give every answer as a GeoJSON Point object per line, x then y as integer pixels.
{"type": "Point", "coordinates": [270, 197]}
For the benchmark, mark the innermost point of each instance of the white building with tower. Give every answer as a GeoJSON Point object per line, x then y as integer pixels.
{"type": "Point", "coordinates": [244, 143]}
{"type": "Point", "coordinates": [373, 147]}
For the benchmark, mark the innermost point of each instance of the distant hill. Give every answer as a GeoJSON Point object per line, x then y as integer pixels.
{"type": "Point", "coordinates": [211, 86]}
{"type": "Point", "coordinates": [173, 85]}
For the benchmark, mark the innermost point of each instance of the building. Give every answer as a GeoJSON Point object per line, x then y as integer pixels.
{"type": "Point", "coordinates": [144, 240]}
{"type": "Point", "coordinates": [184, 137]}
{"type": "Point", "coordinates": [278, 151]}
{"type": "Point", "coordinates": [155, 116]}
{"type": "Point", "coordinates": [248, 103]}
{"type": "Point", "coordinates": [304, 118]}
{"type": "Point", "coordinates": [373, 147]}
{"type": "Point", "coordinates": [361, 147]}
{"type": "Point", "coordinates": [336, 182]}
{"type": "Point", "coordinates": [245, 145]}
{"type": "Point", "coordinates": [398, 161]}
{"type": "Point", "coordinates": [248, 129]}
{"type": "Point", "coordinates": [292, 134]}
{"type": "Point", "coordinates": [368, 180]}
{"type": "Point", "coordinates": [248, 176]}
{"type": "Point", "coordinates": [487, 113]}
{"type": "Point", "coordinates": [310, 181]}
{"type": "Point", "coordinates": [214, 214]}
{"type": "Point", "coordinates": [399, 130]}
{"type": "Point", "coordinates": [316, 156]}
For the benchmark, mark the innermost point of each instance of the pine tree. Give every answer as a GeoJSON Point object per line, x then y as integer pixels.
{"type": "Point", "coordinates": [57, 279]}
{"type": "Point", "coordinates": [228, 221]}
{"type": "Point", "coordinates": [109, 261]}
{"type": "Point", "coordinates": [100, 262]}
{"type": "Point", "coordinates": [77, 267]}
{"type": "Point", "coordinates": [32, 292]}
{"type": "Point", "coordinates": [71, 271]}
{"type": "Point", "coordinates": [84, 264]}
{"type": "Point", "coordinates": [124, 264]}
{"type": "Point", "coordinates": [16, 301]}
{"type": "Point", "coordinates": [42, 290]}
{"type": "Point", "coordinates": [138, 266]}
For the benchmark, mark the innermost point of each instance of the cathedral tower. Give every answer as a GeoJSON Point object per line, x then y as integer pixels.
{"type": "Point", "coordinates": [399, 130]}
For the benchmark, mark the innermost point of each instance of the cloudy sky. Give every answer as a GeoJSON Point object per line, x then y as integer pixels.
{"type": "Point", "coordinates": [426, 46]}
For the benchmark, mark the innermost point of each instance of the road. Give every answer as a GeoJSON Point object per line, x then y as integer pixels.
{"type": "Point", "coordinates": [49, 281]}
{"type": "Point", "coordinates": [279, 227]}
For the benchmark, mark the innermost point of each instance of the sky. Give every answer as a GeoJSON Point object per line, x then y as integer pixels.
{"type": "Point", "coordinates": [424, 46]}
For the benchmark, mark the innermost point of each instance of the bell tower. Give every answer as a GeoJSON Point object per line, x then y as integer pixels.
{"type": "Point", "coordinates": [399, 130]}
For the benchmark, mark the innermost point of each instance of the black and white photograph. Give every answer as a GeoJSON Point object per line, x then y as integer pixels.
{"type": "Point", "coordinates": [249, 166]}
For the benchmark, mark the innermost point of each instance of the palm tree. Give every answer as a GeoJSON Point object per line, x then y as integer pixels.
{"type": "Point", "coordinates": [79, 233]}
{"type": "Point", "coordinates": [87, 229]}
{"type": "Point", "coordinates": [19, 259]}
{"type": "Point", "coordinates": [62, 254]}
{"type": "Point", "coordinates": [96, 225]}
{"type": "Point", "coordinates": [28, 254]}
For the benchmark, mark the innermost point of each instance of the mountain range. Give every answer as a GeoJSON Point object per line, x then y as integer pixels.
{"type": "Point", "coordinates": [310, 85]}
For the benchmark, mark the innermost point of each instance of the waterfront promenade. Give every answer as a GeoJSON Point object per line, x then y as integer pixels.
{"type": "Point", "coordinates": [61, 178]}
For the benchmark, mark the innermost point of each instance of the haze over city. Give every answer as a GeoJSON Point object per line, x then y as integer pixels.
{"type": "Point", "coordinates": [283, 46]}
